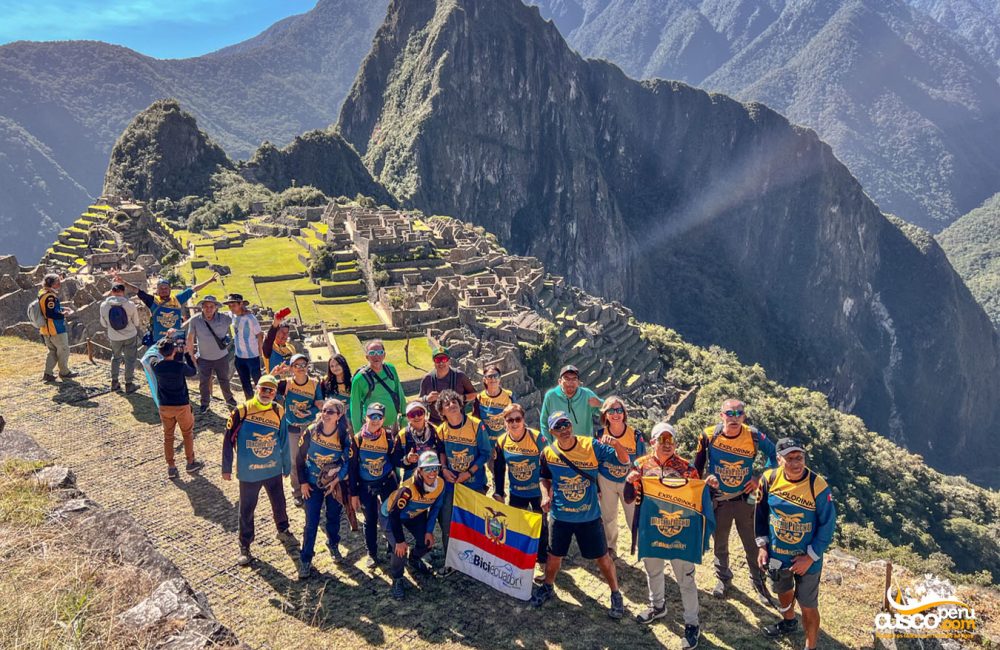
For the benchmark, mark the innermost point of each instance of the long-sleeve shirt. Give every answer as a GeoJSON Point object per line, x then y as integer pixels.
{"type": "Point", "coordinates": [418, 442]}
{"type": "Point", "coordinates": [366, 388]}
{"type": "Point", "coordinates": [167, 312]}
{"type": "Point", "coordinates": [413, 501]}
{"type": "Point", "coordinates": [466, 449]}
{"type": "Point", "coordinates": [52, 312]}
{"type": "Point", "coordinates": [275, 354]}
{"type": "Point", "coordinates": [131, 330]}
{"type": "Point", "coordinates": [795, 517]}
{"type": "Point", "coordinates": [731, 459]}
{"type": "Point", "coordinates": [521, 460]}
{"type": "Point", "coordinates": [260, 443]}
{"type": "Point", "coordinates": [375, 456]}
{"type": "Point", "coordinates": [301, 400]}
{"type": "Point", "coordinates": [318, 449]}
{"type": "Point", "coordinates": [171, 379]}
{"type": "Point", "coordinates": [577, 408]}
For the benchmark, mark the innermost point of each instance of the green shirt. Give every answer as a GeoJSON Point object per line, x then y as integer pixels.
{"type": "Point", "coordinates": [361, 398]}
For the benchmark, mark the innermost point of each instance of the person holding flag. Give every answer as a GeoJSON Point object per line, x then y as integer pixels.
{"type": "Point", "coordinates": [569, 468]}
{"type": "Point", "coordinates": [414, 506]}
{"type": "Point", "coordinates": [673, 522]}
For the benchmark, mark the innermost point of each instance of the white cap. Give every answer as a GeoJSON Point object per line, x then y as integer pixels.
{"type": "Point", "coordinates": [660, 429]}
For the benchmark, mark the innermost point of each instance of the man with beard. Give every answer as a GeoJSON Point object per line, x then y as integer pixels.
{"type": "Point", "coordinates": [579, 403]}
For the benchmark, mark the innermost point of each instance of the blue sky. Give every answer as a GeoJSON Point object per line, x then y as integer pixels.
{"type": "Point", "coordinates": [160, 28]}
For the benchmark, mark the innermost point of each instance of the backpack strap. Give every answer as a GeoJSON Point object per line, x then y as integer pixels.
{"type": "Point", "coordinates": [573, 466]}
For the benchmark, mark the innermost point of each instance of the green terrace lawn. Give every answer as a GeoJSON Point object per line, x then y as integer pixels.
{"type": "Point", "coordinates": [351, 314]}
{"type": "Point", "coordinates": [420, 355]}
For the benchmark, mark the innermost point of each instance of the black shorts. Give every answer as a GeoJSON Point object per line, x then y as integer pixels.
{"type": "Point", "coordinates": [589, 537]}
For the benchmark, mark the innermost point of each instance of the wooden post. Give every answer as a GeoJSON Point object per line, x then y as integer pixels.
{"type": "Point", "coordinates": [90, 352]}
{"type": "Point", "coordinates": [888, 584]}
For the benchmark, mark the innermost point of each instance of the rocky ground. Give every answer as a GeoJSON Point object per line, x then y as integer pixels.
{"type": "Point", "coordinates": [113, 444]}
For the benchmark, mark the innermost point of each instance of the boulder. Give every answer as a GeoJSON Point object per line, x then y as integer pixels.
{"type": "Point", "coordinates": [16, 444]}
{"type": "Point", "coordinates": [9, 265]}
{"type": "Point", "coordinates": [56, 477]}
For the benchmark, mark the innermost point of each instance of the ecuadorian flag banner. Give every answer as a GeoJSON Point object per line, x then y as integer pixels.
{"type": "Point", "coordinates": [493, 543]}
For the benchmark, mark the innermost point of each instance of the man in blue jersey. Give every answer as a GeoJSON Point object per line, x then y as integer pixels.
{"type": "Point", "coordinates": [794, 522]}
{"type": "Point", "coordinates": [166, 308]}
{"type": "Point", "coordinates": [727, 451]}
{"type": "Point", "coordinates": [569, 468]}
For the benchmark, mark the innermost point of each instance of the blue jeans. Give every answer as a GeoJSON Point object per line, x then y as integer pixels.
{"type": "Point", "coordinates": [313, 506]}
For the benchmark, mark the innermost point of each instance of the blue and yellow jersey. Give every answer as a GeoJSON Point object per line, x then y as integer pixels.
{"type": "Point", "coordinates": [522, 462]}
{"type": "Point", "coordinates": [167, 312]}
{"type": "Point", "coordinates": [322, 449]}
{"type": "Point", "coordinates": [731, 459]}
{"type": "Point", "coordinates": [300, 401]}
{"type": "Point", "coordinates": [795, 517]}
{"type": "Point", "coordinates": [488, 410]}
{"type": "Point", "coordinates": [675, 519]}
{"type": "Point", "coordinates": [410, 501]}
{"type": "Point", "coordinates": [261, 445]}
{"type": "Point", "coordinates": [633, 443]}
{"type": "Point", "coordinates": [408, 442]}
{"type": "Point", "coordinates": [574, 498]}
{"type": "Point", "coordinates": [465, 447]}
{"type": "Point", "coordinates": [374, 455]}
{"type": "Point", "coordinates": [55, 322]}
{"type": "Point", "coordinates": [280, 353]}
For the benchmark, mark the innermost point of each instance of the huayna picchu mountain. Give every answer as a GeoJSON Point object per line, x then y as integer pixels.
{"type": "Point", "coordinates": [717, 218]}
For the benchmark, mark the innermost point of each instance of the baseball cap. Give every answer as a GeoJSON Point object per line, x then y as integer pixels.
{"type": "Point", "coordinates": [162, 281]}
{"type": "Point", "coordinates": [375, 407]}
{"type": "Point", "coordinates": [786, 446]}
{"type": "Point", "coordinates": [661, 429]}
{"type": "Point", "coordinates": [296, 357]}
{"type": "Point", "coordinates": [268, 380]}
{"type": "Point", "coordinates": [569, 367]}
{"type": "Point", "coordinates": [428, 459]}
{"type": "Point", "coordinates": [556, 418]}
{"type": "Point", "coordinates": [415, 406]}
{"type": "Point", "coordinates": [440, 351]}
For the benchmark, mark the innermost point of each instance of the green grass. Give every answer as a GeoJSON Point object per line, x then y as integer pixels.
{"type": "Point", "coordinates": [22, 500]}
{"type": "Point", "coordinates": [420, 355]}
{"type": "Point", "coordinates": [354, 314]}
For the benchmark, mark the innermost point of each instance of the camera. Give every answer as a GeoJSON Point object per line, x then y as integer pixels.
{"type": "Point", "coordinates": [774, 570]}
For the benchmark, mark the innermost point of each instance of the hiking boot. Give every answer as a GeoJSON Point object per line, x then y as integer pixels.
{"type": "Point", "coordinates": [203, 409]}
{"type": "Point", "coordinates": [130, 387]}
{"type": "Point", "coordinates": [691, 635]}
{"type": "Point", "coordinates": [617, 609]}
{"type": "Point", "coordinates": [172, 473]}
{"type": "Point", "coordinates": [286, 537]}
{"type": "Point", "coordinates": [335, 553]}
{"type": "Point", "coordinates": [115, 386]}
{"type": "Point", "coordinates": [371, 562]}
{"type": "Point", "coordinates": [651, 614]}
{"type": "Point", "coordinates": [398, 591]}
{"type": "Point", "coordinates": [48, 378]}
{"type": "Point", "coordinates": [445, 571]}
{"type": "Point", "coordinates": [70, 374]}
{"type": "Point", "coordinates": [245, 557]}
{"type": "Point", "coordinates": [543, 593]}
{"type": "Point", "coordinates": [297, 500]}
{"type": "Point", "coordinates": [721, 587]}
{"type": "Point", "coordinates": [305, 570]}
{"type": "Point", "coordinates": [782, 627]}
{"type": "Point", "coordinates": [420, 566]}
{"type": "Point", "coordinates": [194, 467]}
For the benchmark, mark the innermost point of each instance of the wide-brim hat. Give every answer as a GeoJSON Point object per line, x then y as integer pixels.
{"type": "Point", "coordinates": [236, 297]}
{"type": "Point", "coordinates": [211, 299]}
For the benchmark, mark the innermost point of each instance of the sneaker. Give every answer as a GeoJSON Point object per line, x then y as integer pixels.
{"type": "Point", "coordinates": [338, 557]}
{"type": "Point", "coordinates": [445, 571]}
{"type": "Point", "coordinates": [420, 566]}
{"type": "Point", "coordinates": [721, 587]}
{"type": "Point", "coordinates": [245, 557]}
{"type": "Point", "coordinates": [371, 562]}
{"type": "Point", "coordinates": [203, 409]}
{"type": "Point", "coordinates": [115, 386]}
{"type": "Point", "coordinates": [617, 609]}
{"type": "Point", "coordinates": [782, 627]}
{"type": "Point", "coordinates": [691, 635]}
{"type": "Point", "coordinates": [48, 378]}
{"type": "Point", "coordinates": [285, 537]}
{"type": "Point", "coordinates": [398, 592]}
{"type": "Point", "coordinates": [130, 387]}
{"type": "Point", "coordinates": [651, 614]}
{"type": "Point", "coordinates": [70, 374]}
{"type": "Point", "coordinates": [297, 500]}
{"type": "Point", "coordinates": [542, 594]}
{"type": "Point", "coordinates": [195, 467]}
{"type": "Point", "coordinates": [305, 570]}
{"type": "Point", "coordinates": [172, 473]}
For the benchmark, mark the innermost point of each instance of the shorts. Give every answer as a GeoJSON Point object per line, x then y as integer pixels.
{"type": "Point", "coordinates": [806, 587]}
{"type": "Point", "coordinates": [589, 537]}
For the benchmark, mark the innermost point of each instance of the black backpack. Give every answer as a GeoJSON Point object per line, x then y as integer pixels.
{"type": "Point", "coordinates": [118, 318]}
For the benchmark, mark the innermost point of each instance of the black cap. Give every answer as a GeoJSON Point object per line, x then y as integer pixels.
{"type": "Point", "coordinates": [569, 367]}
{"type": "Point", "coordinates": [786, 446]}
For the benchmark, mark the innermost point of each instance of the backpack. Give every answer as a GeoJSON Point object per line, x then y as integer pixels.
{"type": "Point", "coordinates": [35, 316]}
{"type": "Point", "coordinates": [118, 318]}
{"type": "Point", "coordinates": [754, 432]}
{"type": "Point", "coordinates": [371, 378]}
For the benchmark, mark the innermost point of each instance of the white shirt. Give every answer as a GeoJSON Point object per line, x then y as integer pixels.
{"type": "Point", "coordinates": [131, 330]}
{"type": "Point", "coordinates": [245, 330]}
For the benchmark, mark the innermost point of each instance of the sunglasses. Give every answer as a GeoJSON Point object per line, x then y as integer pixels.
{"type": "Point", "coordinates": [376, 353]}
{"type": "Point", "coordinates": [300, 366]}
{"type": "Point", "coordinates": [616, 409]}
{"type": "Point", "coordinates": [433, 470]}
{"type": "Point", "coordinates": [331, 412]}
{"type": "Point", "coordinates": [562, 425]}
{"type": "Point", "coordinates": [733, 413]}
{"type": "Point", "coordinates": [265, 389]}
{"type": "Point", "coordinates": [514, 420]}
{"type": "Point", "coordinates": [415, 414]}
{"type": "Point", "coordinates": [492, 376]}
{"type": "Point", "coordinates": [441, 359]}
{"type": "Point", "coordinates": [376, 416]}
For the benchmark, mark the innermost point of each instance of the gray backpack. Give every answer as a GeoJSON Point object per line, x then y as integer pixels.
{"type": "Point", "coordinates": [35, 316]}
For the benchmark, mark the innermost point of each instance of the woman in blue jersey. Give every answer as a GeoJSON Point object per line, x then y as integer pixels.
{"type": "Point", "coordinates": [490, 403]}
{"type": "Point", "coordinates": [611, 476]}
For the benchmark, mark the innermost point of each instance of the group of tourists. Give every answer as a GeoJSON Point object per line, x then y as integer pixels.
{"type": "Point", "coordinates": [353, 442]}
